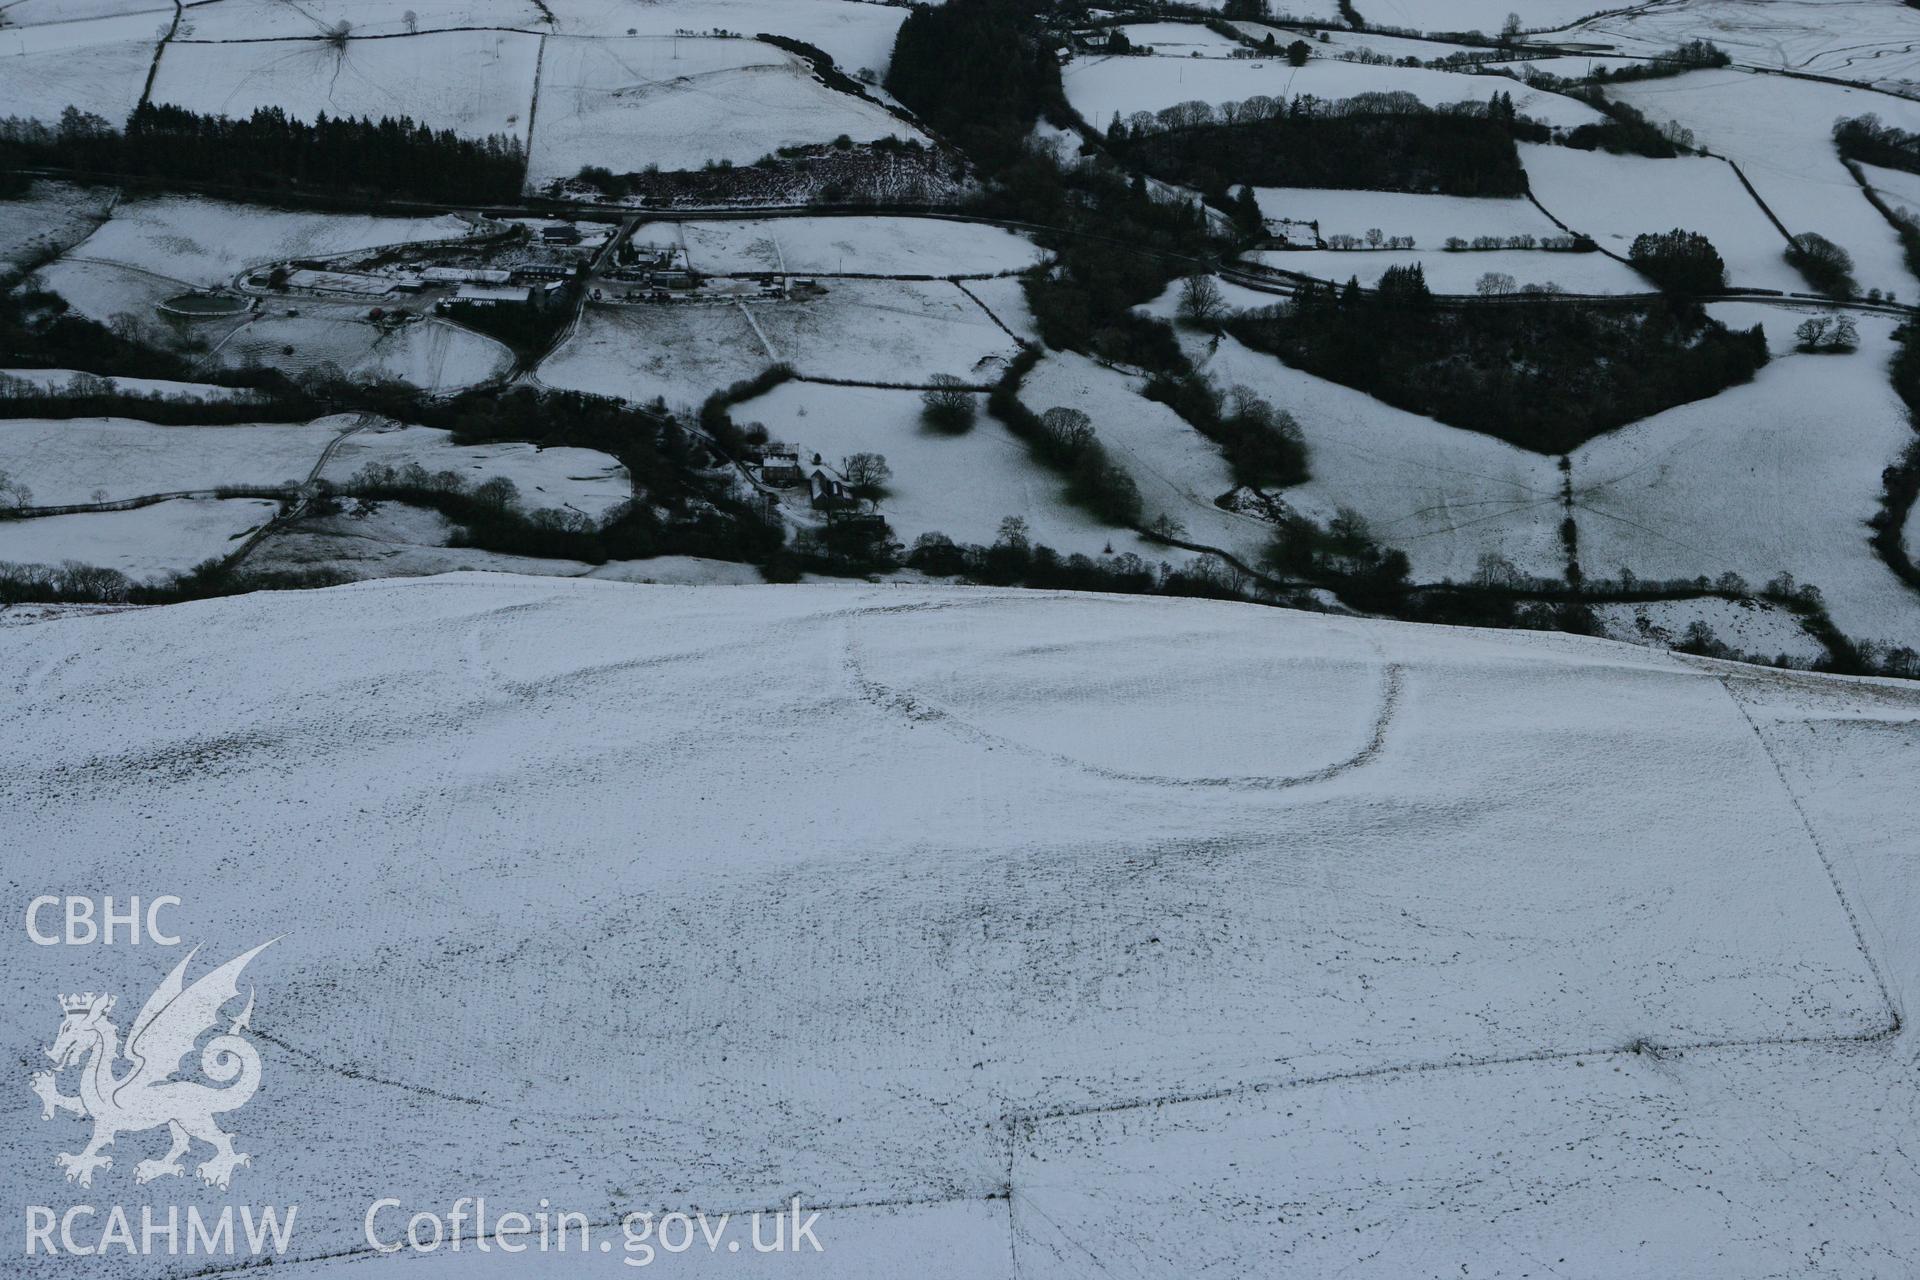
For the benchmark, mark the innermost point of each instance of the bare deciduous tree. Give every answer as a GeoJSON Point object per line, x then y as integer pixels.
{"type": "Point", "coordinates": [866, 474]}
{"type": "Point", "coordinates": [947, 405]}
{"type": "Point", "coordinates": [1200, 300]}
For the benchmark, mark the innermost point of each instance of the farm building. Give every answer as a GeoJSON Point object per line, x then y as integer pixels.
{"type": "Point", "coordinates": [830, 494]}
{"type": "Point", "coordinates": [465, 275]}
{"type": "Point", "coordinates": [493, 295]}
{"type": "Point", "coordinates": [347, 282]}
{"type": "Point", "coordinates": [781, 467]}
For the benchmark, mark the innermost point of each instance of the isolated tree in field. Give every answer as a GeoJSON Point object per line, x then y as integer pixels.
{"type": "Point", "coordinates": [1297, 53]}
{"type": "Point", "coordinates": [1494, 284]}
{"type": "Point", "coordinates": [1827, 334]}
{"type": "Point", "coordinates": [1827, 266]}
{"type": "Point", "coordinates": [1679, 262]}
{"type": "Point", "coordinates": [339, 34]}
{"type": "Point", "coordinates": [1200, 300]}
{"type": "Point", "coordinates": [13, 493]}
{"type": "Point", "coordinates": [412, 21]}
{"type": "Point", "coordinates": [947, 406]}
{"type": "Point", "coordinates": [867, 475]}
{"type": "Point", "coordinates": [1811, 332]}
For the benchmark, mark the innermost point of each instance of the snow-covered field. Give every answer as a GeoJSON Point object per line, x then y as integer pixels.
{"type": "Point", "coordinates": [57, 13]}
{"type": "Point", "coordinates": [107, 459]}
{"type": "Point", "coordinates": [1780, 132]}
{"type": "Point", "coordinates": [103, 291]}
{"type": "Point", "coordinates": [1861, 40]}
{"type": "Point", "coordinates": [1266, 942]}
{"type": "Point", "coordinates": [1339, 42]}
{"type": "Point", "coordinates": [473, 82]}
{"type": "Point", "coordinates": [278, 20]}
{"type": "Point", "coordinates": [962, 486]}
{"type": "Point", "coordinates": [680, 353]}
{"type": "Point", "coordinates": [205, 242]}
{"type": "Point", "coordinates": [583, 480]}
{"type": "Point", "coordinates": [429, 353]}
{"type": "Point", "coordinates": [1429, 219]}
{"type": "Point", "coordinates": [146, 543]}
{"type": "Point", "coordinates": [1461, 272]}
{"type": "Point", "coordinates": [1484, 16]}
{"type": "Point", "coordinates": [1445, 496]}
{"type": "Point", "coordinates": [855, 33]}
{"type": "Point", "coordinates": [1098, 87]}
{"type": "Point", "coordinates": [886, 331]}
{"type": "Point", "coordinates": [1180, 39]}
{"type": "Point", "coordinates": [435, 356]}
{"type": "Point", "coordinates": [1005, 299]}
{"type": "Point", "coordinates": [860, 245]}
{"type": "Point", "coordinates": [1615, 198]}
{"type": "Point", "coordinates": [1899, 189]}
{"type": "Point", "coordinates": [624, 104]}
{"type": "Point", "coordinates": [50, 218]}
{"type": "Point", "coordinates": [105, 79]}
{"type": "Point", "coordinates": [1179, 471]}
{"type": "Point", "coordinates": [1780, 475]}
{"type": "Point", "coordinates": [1748, 626]}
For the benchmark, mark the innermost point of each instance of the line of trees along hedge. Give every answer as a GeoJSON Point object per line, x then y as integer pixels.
{"type": "Point", "coordinates": [1867, 140]}
{"type": "Point", "coordinates": [1262, 444]}
{"type": "Point", "coordinates": [978, 71]}
{"type": "Point", "coordinates": [1454, 153]}
{"type": "Point", "coordinates": [271, 151]}
{"type": "Point", "coordinates": [1542, 375]}
{"type": "Point", "coordinates": [1900, 482]}
{"type": "Point", "coordinates": [680, 506]}
{"type": "Point", "coordinates": [1625, 131]}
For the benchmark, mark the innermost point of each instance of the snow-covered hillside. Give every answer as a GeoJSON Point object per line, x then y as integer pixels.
{"type": "Point", "coordinates": [1046, 935]}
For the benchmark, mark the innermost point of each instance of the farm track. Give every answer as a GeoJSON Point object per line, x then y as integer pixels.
{"type": "Point", "coordinates": [295, 504]}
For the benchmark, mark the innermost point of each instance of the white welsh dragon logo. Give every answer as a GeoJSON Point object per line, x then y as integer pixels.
{"type": "Point", "coordinates": [147, 1095]}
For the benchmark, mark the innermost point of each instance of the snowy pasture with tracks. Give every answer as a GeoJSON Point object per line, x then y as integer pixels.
{"type": "Point", "coordinates": [592, 893]}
